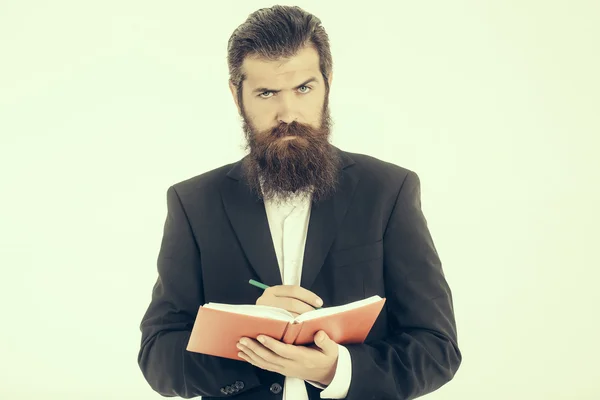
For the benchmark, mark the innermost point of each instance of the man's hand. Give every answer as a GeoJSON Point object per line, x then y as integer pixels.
{"type": "Point", "coordinates": [292, 298]}
{"type": "Point", "coordinates": [317, 364]}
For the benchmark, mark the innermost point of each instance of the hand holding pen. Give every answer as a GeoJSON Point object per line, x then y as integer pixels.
{"type": "Point", "coordinates": [292, 298]}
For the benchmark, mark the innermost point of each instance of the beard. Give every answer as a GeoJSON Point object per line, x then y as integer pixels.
{"type": "Point", "coordinates": [291, 159]}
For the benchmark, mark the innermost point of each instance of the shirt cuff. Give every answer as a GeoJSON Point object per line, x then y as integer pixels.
{"type": "Point", "coordinates": [338, 388]}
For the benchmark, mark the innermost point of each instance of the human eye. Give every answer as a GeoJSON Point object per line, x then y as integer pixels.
{"type": "Point", "coordinates": [308, 89]}
{"type": "Point", "coordinates": [265, 95]}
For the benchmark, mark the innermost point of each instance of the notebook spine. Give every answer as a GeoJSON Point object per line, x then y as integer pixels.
{"type": "Point", "coordinates": [291, 333]}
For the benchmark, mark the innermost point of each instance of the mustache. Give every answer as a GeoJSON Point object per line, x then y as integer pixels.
{"type": "Point", "coordinates": [291, 129]}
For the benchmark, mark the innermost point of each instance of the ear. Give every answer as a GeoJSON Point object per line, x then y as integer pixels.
{"type": "Point", "coordinates": [330, 79]}
{"type": "Point", "coordinates": [233, 90]}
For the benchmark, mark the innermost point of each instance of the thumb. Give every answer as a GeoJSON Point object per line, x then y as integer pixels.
{"type": "Point", "coordinates": [323, 341]}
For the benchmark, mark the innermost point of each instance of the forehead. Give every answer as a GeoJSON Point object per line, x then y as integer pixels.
{"type": "Point", "coordinates": [283, 72]}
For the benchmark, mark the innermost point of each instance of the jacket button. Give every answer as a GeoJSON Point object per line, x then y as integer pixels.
{"type": "Point", "coordinates": [275, 388]}
{"type": "Point", "coordinates": [239, 384]}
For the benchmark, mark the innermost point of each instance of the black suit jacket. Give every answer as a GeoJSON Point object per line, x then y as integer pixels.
{"type": "Point", "coordinates": [370, 238]}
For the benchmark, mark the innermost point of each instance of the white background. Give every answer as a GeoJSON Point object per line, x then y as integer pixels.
{"type": "Point", "coordinates": [495, 104]}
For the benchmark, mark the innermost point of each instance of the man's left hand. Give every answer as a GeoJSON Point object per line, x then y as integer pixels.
{"type": "Point", "coordinates": [314, 363]}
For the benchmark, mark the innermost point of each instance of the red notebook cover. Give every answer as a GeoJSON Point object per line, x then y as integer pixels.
{"type": "Point", "coordinates": [217, 332]}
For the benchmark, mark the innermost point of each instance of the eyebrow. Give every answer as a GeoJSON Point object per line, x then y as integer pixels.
{"type": "Point", "coordinates": [264, 89]}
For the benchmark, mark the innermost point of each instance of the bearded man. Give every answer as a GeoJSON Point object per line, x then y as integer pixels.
{"type": "Point", "coordinates": [318, 225]}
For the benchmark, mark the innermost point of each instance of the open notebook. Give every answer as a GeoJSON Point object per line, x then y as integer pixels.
{"type": "Point", "coordinates": [218, 327]}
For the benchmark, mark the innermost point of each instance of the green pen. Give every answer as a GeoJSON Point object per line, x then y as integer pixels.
{"type": "Point", "coordinates": [258, 284]}
{"type": "Point", "coordinates": [263, 286]}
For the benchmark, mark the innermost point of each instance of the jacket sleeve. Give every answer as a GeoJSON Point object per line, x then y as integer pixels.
{"type": "Point", "coordinates": [421, 353]}
{"type": "Point", "coordinates": [167, 366]}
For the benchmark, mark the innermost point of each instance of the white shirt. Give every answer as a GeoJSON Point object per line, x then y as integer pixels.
{"type": "Point", "coordinates": [288, 223]}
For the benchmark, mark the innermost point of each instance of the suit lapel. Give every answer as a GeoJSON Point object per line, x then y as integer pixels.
{"type": "Point", "coordinates": [325, 219]}
{"type": "Point", "coordinates": [248, 218]}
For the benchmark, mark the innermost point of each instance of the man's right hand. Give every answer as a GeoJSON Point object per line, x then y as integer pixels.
{"type": "Point", "coordinates": [292, 298]}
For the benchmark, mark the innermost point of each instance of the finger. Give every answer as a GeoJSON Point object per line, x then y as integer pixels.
{"type": "Point", "coordinates": [260, 356]}
{"type": "Point", "coordinates": [286, 351]}
{"type": "Point", "coordinates": [261, 351]}
{"type": "Point", "coordinates": [295, 306]}
{"type": "Point", "coordinates": [257, 362]}
{"type": "Point", "coordinates": [296, 292]}
{"type": "Point", "coordinates": [327, 345]}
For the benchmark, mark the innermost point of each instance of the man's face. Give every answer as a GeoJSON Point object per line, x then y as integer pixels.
{"type": "Point", "coordinates": [283, 91]}
{"type": "Point", "coordinates": [287, 124]}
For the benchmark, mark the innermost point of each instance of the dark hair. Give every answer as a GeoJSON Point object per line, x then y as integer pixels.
{"type": "Point", "coordinates": [274, 33]}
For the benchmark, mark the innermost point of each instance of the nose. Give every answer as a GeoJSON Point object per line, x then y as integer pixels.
{"type": "Point", "coordinates": [287, 110]}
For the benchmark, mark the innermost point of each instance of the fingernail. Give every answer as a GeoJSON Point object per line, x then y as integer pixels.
{"type": "Point", "coordinates": [319, 302]}
{"type": "Point", "coordinates": [261, 339]}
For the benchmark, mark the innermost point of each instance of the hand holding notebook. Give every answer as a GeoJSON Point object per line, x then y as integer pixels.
{"type": "Point", "coordinates": [218, 327]}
